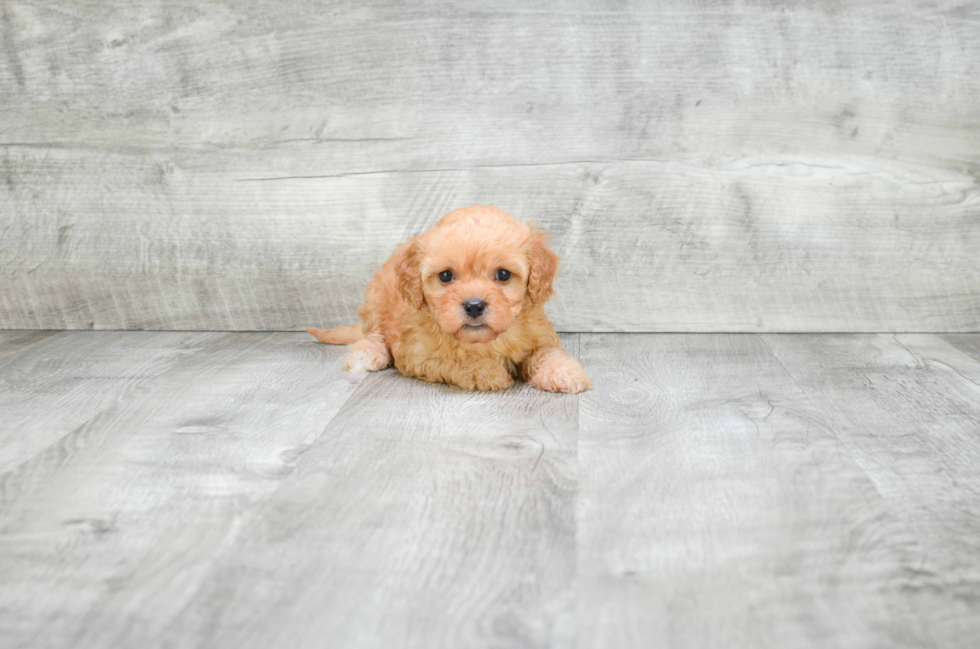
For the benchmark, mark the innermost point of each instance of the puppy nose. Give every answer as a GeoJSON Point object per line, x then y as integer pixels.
{"type": "Point", "coordinates": [474, 308]}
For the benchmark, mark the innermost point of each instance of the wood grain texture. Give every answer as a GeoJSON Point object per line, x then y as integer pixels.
{"type": "Point", "coordinates": [906, 408]}
{"type": "Point", "coordinates": [424, 516]}
{"type": "Point", "coordinates": [67, 379]}
{"type": "Point", "coordinates": [15, 343]}
{"type": "Point", "coordinates": [252, 495]}
{"type": "Point", "coordinates": [764, 166]}
{"type": "Point", "coordinates": [966, 343]}
{"type": "Point", "coordinates": [719, 508]}
{"type": "Point", "coordinates": [105, 536]}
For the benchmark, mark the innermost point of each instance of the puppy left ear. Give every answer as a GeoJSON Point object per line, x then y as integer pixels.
{"type": "Point", "coordinates": [544, 265]}
{"type": "Point", "coordinates": [408, 273]}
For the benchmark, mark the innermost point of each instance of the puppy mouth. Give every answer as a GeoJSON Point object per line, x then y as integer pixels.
{"type": "Point", "coordinates": [475, 332]}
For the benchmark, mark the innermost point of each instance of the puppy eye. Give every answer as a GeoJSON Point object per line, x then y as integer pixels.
{"type": "Point", "coordinates": [503, 275]}
{"type": "Point", "coordinates": [446, 276]}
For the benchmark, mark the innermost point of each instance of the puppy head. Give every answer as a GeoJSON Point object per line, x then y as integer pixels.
{"type": "Point", "coordinates": [477, 268]}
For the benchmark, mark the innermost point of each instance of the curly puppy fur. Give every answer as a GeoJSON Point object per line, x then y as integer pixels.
{"type": "Point", "coordinates": [442, 310]}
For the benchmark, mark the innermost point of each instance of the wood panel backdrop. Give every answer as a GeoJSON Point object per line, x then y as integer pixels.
{"type": "Point", "coordinates": [756, 165]}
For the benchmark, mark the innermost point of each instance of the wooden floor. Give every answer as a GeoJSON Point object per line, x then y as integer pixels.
{"type": "Point", "coordinates": [239, 490]}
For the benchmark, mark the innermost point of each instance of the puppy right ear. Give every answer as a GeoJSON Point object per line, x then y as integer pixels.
{"type": "Point", "coordinates": [409, 273]}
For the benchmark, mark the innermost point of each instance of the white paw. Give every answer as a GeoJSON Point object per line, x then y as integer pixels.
{"type": "Point", "coordinates": [367, 360]}
{"type": "Point", "coordinates": [568, 379]}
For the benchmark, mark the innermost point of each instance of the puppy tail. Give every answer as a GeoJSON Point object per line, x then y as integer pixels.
{"type": "Point", "coordinates": [338, 335]}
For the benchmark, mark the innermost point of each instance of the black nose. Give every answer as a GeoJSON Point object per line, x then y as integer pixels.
{"type": "Point", "coordinates": [474, 308]}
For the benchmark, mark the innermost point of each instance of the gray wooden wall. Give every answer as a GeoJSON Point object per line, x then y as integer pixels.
{"type": "Point", "coordinates": [702, 165]}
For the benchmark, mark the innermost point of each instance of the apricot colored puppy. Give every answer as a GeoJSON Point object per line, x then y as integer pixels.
{"type": "Point", "coordinates": [464, 304]}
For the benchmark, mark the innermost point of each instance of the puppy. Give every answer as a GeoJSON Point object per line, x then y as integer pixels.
{"type": "Point", "coordinates": [463, 303]}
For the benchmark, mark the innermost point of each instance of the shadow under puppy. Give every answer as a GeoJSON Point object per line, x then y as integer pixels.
{"type": "Point", "coordinates": [463, 303]}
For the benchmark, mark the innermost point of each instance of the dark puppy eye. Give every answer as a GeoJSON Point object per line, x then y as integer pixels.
{"type": "Point", "coordinates": [503, 275]}
{"type": "Point", "coordinates": [446, 276]}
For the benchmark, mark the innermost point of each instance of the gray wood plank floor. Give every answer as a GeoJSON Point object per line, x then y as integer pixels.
{"type": "Point", "coordinates": [714, 490]}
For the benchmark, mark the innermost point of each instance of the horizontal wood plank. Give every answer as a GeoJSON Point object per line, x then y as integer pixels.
{"type": "Point", "coordinates": [769, 166]}
{"type": "Point", "coordinates": [384, 85]}
{"type": "Point", "coordinates": [766, 245]}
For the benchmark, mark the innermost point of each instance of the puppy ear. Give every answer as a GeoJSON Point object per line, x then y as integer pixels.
{"type": "Point", "coordinates": [544, 265]}
{"type": "Point", "coordinates": [408, 272]}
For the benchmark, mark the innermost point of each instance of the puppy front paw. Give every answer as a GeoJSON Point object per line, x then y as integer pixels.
{"type": "Point", "coordinates": [561, 373]}
{"type": "Point", "coordinates": [484, 375]}
{"type": "Point", "coordinates": [367, 356]}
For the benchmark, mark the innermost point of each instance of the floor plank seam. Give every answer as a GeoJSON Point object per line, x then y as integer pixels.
{"type": "Point", "coordinates": [114, 405]}
{"type": "Point", "coordinates": [260, 496]}
{"type": "Point", "coordinates": [838, 441]}
{"type": "Point", "coordinates": [923, 361]}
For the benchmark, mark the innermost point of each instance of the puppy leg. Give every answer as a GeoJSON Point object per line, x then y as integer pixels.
{"type": "Point", "coordinates": [482, 374]}
{"type": "Point", "coordinates": [473, 374]}
{"type": "Point", "coordinates": [553, 370]}
{"type": "Point", "coordinates": [368, 355]}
